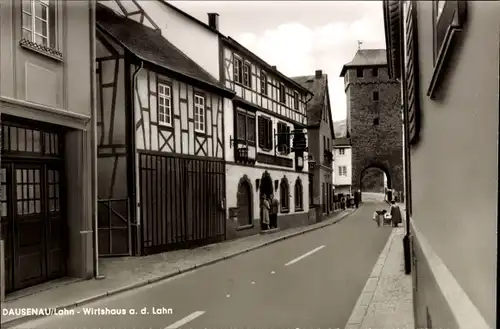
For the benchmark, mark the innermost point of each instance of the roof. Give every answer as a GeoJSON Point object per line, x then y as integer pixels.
{"type": "Point", "coordinates": [150, 46]}
{"type": "Point", "coordinates": [268, 67]}
{"type": "Point", "coordinates": [346, 141]}
{"type": "Point", "coordinates": [366, 57]}
{"type": "Point", "coordinates": [183, 13]}
{"type": "Point", "coordinates": [315, 105]}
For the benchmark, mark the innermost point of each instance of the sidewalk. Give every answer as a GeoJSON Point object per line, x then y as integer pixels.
{"type": "Point", "coordinates": [127, 273]}
{"type": "Point", "coordinates": [386, 301]}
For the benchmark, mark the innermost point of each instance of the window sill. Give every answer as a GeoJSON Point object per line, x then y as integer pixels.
{"type": "Point", "coordinates": [245, 227]}
{"type": "Point", "coordinates": [165, 126]}
{"type": "Point", "coordinates": [299, 209]}
{"type": "Point", "coordinates": [241, 84]}
{"type": "Point", "coordinates": [200, 133]}
{"type": "Point", "coordinates": [285, 211]}
{"type": "Point", "coordinates": [42, 50]}
{"type": "Point", "coordinates": [266, 149]}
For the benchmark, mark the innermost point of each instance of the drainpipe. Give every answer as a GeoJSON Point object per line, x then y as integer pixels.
{"type": "Point", "coordinates": [93, 129]}
{"type": "Point", "coordinates": [135, 91]}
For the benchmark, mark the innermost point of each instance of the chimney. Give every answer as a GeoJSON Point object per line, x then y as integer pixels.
{"type": "Point", "coordinates": [319, 74]}
{"type": "Point", "coordinates": [213, 21]}
{"type": "Point", "coordinates": [274, 67]}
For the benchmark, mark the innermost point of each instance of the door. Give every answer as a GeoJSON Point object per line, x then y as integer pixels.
{"type": "Point", "coordinates": [244, 204]}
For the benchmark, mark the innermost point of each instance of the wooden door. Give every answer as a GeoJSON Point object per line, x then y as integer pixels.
{"type": "Point", "coordinates": [244, 204]}
{"type": "Point", "coordinates": [29, 238]}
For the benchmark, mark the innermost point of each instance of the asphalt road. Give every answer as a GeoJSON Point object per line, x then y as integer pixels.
{"type": "Point", "coordinates": [309, 281]}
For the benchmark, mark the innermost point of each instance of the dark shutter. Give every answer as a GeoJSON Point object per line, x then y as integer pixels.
{"type": "Point", "coordinates": [412, 75]}
{"type": "Point", "coordinates": [270, 134]}
{"type": "Point", "coordinates": [251, 130]}
{"type": "Point", "coordinates": [262, 132]}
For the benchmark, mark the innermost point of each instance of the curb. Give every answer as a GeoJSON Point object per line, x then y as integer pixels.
{"type": "Point", "coordinates": [17, 321]}
{"type": "Point", "coordinates": [364, 300]}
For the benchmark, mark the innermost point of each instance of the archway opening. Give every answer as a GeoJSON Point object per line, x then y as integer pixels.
{"type": "Point", "coordinates": [244, 200]}
{"type": "Point", "coordinates": [375, 181]}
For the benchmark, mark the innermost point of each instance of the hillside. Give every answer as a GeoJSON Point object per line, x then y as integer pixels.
{"type": "Point", "coordinates": [340, 128]}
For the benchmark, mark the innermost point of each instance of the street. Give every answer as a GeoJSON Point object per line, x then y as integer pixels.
{"type": "Point", "coordinates": [309, 281]}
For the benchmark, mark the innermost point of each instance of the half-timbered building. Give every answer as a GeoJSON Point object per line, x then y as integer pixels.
{"type": "Point", "coordinates": [46, 74]}
{"type": "Point", "coordinates": [320, 133]}
{"type": "Point", "coordinates": [266, 141]}
{"type": "Point", "coordinates": [161, 141]}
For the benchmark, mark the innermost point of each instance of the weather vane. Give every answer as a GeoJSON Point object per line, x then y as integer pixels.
{"type": "Point", "coordinates": [359, 44]}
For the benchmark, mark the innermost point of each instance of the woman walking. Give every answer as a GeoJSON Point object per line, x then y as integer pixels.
{"type": "Point", "coordinates": [264, 209]}
{"type": "Point", "coordinates": [395, 214]}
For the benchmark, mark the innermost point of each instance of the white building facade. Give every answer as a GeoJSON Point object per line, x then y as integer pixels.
{"type": "Point", "coordinates": [342, 165]}
{"type": "Point", "coordinates": [258, 161]}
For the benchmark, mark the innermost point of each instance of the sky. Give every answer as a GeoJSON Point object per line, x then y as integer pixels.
{"type": "Point", "coordinates": [300, 37]}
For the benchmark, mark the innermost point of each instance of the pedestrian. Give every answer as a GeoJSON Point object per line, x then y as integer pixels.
{"type": "Point", "coordinates": [273, 212]}
{"type": "Point", "coordinates": [357, 197]}
{"type": "Point", "coordinates": [395, 214]}
{"type": "Point", "coordinates": [342, 202]}
{"type": "Point", "coordinates": [378, 216]}
{"type": "Point", "coordinates": [264, 206]}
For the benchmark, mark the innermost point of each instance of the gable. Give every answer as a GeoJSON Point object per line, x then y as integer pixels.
{"type": "Point", "coordinates": [131, 9]}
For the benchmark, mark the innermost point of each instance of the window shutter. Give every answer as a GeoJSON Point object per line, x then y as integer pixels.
{"type": "Point", "coordinates": [270, 136]}
{"type": "Point", "coordinates": [262, 132]}
{"type": "Point", "coordinates": [412, 75]}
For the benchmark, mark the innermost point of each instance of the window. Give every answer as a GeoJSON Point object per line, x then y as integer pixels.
{"type": "Point", "coordinates": [359, 73]}
{"type": "Point", "coordinates": [284, 199]}
{"type": "Point", "coordinates": [247, 74]}
{"type": "Point", "coordinates": [299, 201]}
{"type": "Point", "coordinates": [263, 83]}
{"type": "Point", "coordinates": [283, 138]}
{"type": "Point", "coordinates": [282, 94]}
{"type": "Point", "coordinates": [324, 142]}
{"type": "Point", "coordinates": [199, 113]}
{"type": "Point", "coordinates": [265, 133]}
{"type": "Point", "coordinates": [245, 127]}
{"type": "Point", "coordinates": [237, 69]}
{"type": "Point", "coordinates": [39, 22]}
{"type": "Point", "coordinates": [375, 72]}
{"type": "Point", "coordinates": [342, 170]}
{"type": "Point", "coordinates": [341, 151]}
{"type": "Point", "coordinates": [375, 96]}
{"type": "Point", "coordinates": [295, 100]}
{"type": "Point", "coordinates": [328, 144]}
{"type": "Point", "coordinates": [376, 121]}
{"type": "Point", "coordinates": [164, 105]}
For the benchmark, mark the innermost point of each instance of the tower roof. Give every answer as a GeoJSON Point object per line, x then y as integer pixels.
{"type": "Point", "coordinates": [366, 57]}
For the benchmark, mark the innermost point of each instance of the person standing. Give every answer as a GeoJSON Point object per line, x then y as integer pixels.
{"type": "Point", "coordinates": [273, 212]}
{"type": "Point", "coordinates": [395, 214]}
{"type": "Point", "coordinates": [357, 197]}
{"type": "Point", "coordinates": [264, 210]}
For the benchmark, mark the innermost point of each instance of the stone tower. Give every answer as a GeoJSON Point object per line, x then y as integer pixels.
{"type": "Point", "coordinates": [374, 119]}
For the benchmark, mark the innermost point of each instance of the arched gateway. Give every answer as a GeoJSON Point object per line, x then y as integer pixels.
{"type": "Point", "coordinates": [374, 120]}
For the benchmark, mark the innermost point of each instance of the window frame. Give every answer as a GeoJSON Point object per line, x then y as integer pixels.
{"type": "Point", "coordinates": [362, 72]}
{"type": "Point", "coordinates": [267, 143]}
{"type": "Point", "coordinates": [263, 83]}
{"type": "Point", "coordinates": [376, 121]}
{"type": "Point", "coordinates": [283, 139]}
{"type": "Point", "coordinates": [299, 195]}
{"type": "Point", "coordinates": [237, 69]}
{"type": "Point", "coordinates": [341, 151]}
{"type": "Point", "coordinates": [295, 100]}
{"type": "Point", "coordinates": [203, 111]}
{"type": "Point", "coordinates": [159, 95]}
{"type": "Point", "coordinates": [46, 4]}
{"type": "Point", "coordinates": [282, 98]}
{"type": "Point", "coordinates": [247, 65]}
{"type": "Point", "coordinates": [248, 116]}
{"type": "Point", "coordinates": [284, 196]}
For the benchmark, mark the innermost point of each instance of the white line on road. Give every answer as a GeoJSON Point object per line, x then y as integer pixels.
{"type": "Point", "coordinates": [304, 255]}
{"type": "Point", "coordinates": [185, 320]}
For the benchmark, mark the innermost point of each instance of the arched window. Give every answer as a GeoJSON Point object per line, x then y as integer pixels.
{"type": "Point", "coordinates": [299, 196]}
{"type": "Point", "coordinates": [284, 199]}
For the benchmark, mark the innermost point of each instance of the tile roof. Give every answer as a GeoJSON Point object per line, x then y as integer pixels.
{"type": "Point", "coordinates": [315, 105]}
{"type": "Point", "coordinates": [150, 46]}
{"type": "Point", "coordinates": [366, 57]}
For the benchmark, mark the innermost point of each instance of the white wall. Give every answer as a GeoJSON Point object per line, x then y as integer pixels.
{"type": "Point", "coordinates": [234, 173]}
{"type": "Point", "coordinates": [342, 160]}
{"type": "Point", "coordinates": [197, 42]}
